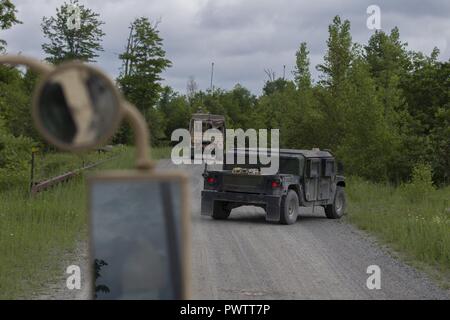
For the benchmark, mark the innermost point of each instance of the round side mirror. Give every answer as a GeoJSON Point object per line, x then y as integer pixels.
{"type": "Point", "coordinates": [77, 107]}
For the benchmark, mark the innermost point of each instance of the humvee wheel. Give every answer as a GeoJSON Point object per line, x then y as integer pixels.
{"type": "Point", "coordinates": [289, 208]}
{"type": "Point", "coordinates": [220, 211]}
{"type": "Point", "coordinates": [337, 209]}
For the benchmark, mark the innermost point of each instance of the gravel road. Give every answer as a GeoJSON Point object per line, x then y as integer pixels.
{"type": "Point", "coordinates": [245, 257]}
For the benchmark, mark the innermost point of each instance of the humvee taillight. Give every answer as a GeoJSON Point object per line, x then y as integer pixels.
{"type": "Point", "coordinates": [276, 184]}
{"type": "Point", "coordinates": [211, 180]}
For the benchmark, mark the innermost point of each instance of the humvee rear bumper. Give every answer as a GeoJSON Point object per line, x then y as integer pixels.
{"type": "Point", "coordinates": [271, 203]}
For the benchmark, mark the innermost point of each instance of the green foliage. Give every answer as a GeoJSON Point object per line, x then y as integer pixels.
{"type": "Point", "coordinates": [302, 74]}
{"type": "Point", "coordinates": [143, 62]}
{"type": "Point", "coordinates": [175, 110]}
{"type": "Point", "coordinates": [428, 104]}
{"type": "Point", "coordinates": [368, 145]}
{"type": "Point", "coordinates": [15, 129]}
{"type": "Point", "coordinates": [14, 159]}
{"type": "Point", "coordinates": [15, 102]}
{"type": "Point", "coordinates": [440, 142]}
{"type": "Point", "coordinates": [66, 42]}
{"type": "Point", "coordinates": [239, 105]}
{"type": "Point", "coordinates": [274, 107]}
{"type": "Point", "coordinates": [339, 54]}
{"type": "Point", "coordinates": [421, 185]}
{"type": "Point", "coordinates": [7, 19]}
{"type": "Point", "coordinates": [387, 56]}
{"type": "Point", "coordinates": [418, 229]}
{"type": "Point", "coordinates": [276, 85]}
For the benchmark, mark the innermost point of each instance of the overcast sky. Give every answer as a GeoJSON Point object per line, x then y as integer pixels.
{"type": "Point", "coordinates": [242, 37]}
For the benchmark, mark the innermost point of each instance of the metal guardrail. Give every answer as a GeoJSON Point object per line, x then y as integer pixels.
{"type": "Point", "coordinates": [46, 184]}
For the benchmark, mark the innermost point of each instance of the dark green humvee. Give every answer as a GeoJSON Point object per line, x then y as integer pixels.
{"type": "Point", "coordinates": [305, 178]}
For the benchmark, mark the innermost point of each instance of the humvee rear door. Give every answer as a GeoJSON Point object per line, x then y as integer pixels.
{"type": "Point", "coordinates": [312, 179]}
{"type": "Point", "coordinates": [328, 171]}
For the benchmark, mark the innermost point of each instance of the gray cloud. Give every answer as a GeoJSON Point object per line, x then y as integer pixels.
{"type": "Point", "coordinates": [242, 37]}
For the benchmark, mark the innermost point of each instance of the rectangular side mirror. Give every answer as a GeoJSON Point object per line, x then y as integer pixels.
{"type": "Point", "coordinates": [139, 226]}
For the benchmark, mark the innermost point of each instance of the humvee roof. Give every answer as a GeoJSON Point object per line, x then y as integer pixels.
{"type": "Point", "coordinates": [208, 117]}
{"type": "Point", "coordinates": [314, 153]}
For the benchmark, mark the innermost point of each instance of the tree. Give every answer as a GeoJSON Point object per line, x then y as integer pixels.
{"type": "Point", "coordinates": [369, 146]}
{"type": "Point", "coordinates": [14, 102]}
{"type": "Point", "coordinates": [275, 85]}
{"type": "Point", "coordinates": [387, 56]}
{"type": "Point", "coordinates": [175, 109]}
{"type": "Point", "coordinates": [191, 89]}
{"type": "Point", "coordinates": [142, 64]}
{"type": "Point", "coordinates": [301, 73]}
{"type": "Point", "coordinates": [14, 156]}
{"type": "Point", "coordinates": [390, 67]}
{"type": "Point", "coordinates": [388, 62]}
{"type": "Point", "coordinates": [74, 33]}
{"type": "Point", "coordinates": [339, 54]}
{"type": "Point", "coordinates": [7, 19]}
{"type": "Point", "coordinates": [332, 93]}
{"type": "Point", "coordinates": [425, 89]}
{"type": "Point", "coordinates": [440, 141]}
{"type": "Point", "coordinates": [276, 106]}
{"type": "Point", "coordinates": [239, 104]}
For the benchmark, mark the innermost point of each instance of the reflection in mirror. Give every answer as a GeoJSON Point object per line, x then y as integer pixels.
{"type": "Point", "coordinates": [78, 107]}
{"type": "Point", "coordinates": [136, 238]}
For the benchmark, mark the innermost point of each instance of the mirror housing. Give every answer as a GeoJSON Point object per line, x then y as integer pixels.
{"type": "Point", "coordinates": [76, 107]}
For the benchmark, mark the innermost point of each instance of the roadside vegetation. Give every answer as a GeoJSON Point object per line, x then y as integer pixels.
{"type": "Point", "coordinates": [414, 219]}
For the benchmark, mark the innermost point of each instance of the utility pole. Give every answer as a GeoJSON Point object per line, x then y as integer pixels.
{"type": "Point", "coordinates": [284, 71]}
{"type": "Point", "coordinates": [212, 76]}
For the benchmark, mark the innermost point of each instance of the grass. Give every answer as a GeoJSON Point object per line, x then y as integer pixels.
{"type": "Point", "coordinates": [35, 232]}
{"type": "Point", "coordinates": [412, 221]}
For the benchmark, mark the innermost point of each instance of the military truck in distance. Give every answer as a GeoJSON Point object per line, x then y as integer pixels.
{"type": "Point", "coordinates": [305, 178]}
{"type": "Point", "coordinates": [206, 121]}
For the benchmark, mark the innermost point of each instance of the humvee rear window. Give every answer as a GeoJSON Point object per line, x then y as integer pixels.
{"type": "Point", "coordinates": [314, 168]}
{"type": "Point", "coordinates": [289, 166]}
{"type": "Point", "coordinates": [329, 168]}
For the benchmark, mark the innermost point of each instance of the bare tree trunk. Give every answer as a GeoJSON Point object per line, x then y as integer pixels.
{"type": "Point", "coordinates": [129, 44]}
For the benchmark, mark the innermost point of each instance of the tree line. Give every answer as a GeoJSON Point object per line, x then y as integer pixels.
{"type": "Point", "coordinates": [382, 108]}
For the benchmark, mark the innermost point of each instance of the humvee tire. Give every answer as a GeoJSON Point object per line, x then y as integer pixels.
{"type": "Point", "coordinates": [220, 211]}
{"type": "Point", "coordinates": [289, 208]}
{"type": "Point", "coordinates": [337, 209]}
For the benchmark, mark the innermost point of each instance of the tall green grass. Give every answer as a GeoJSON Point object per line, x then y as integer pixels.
{"type": "Point", "coordinates": [35, 233]}
{"type": "Point", "coordinates": [414, 219]}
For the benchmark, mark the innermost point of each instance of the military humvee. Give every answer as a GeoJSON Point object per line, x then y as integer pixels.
{"type": "Point", "coordinates": [305, 178]}
{"type": "Point", "coordinates": [207, 121]}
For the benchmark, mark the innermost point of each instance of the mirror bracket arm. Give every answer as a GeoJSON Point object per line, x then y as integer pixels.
{"type": "Point", "coordinates": [34, 64]}
{"type": "Point", "coordinates": [141, 136]}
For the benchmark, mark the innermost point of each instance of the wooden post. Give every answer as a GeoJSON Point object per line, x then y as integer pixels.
{"type": "Point", "coordinates": [34, 150]}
